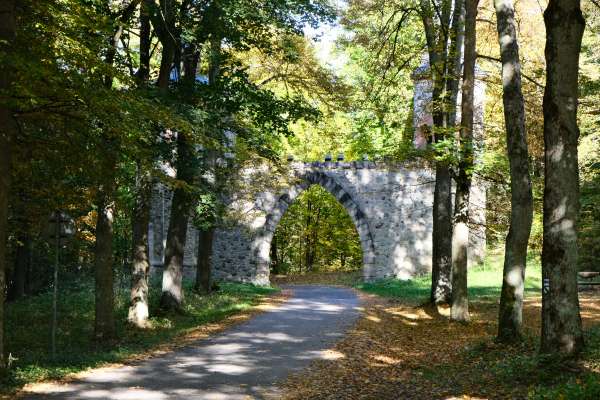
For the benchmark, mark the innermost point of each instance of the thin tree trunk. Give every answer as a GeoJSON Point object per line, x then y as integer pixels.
{"type": "Point", "coordinates": [515, 257]}
{"type": "Point", "coordinates": [8, 131]}
{"type": "Point", "coordinates": [22, 258]}
{"type": "Point", "coordinates": [104, 326]}
{"type": "Point", "coordinates": [138, 309]}
{"type": "Point", "coordinates": [163, 21]}
{"type": "Point", "coordinates": [203, 273]}
{"type": "Point", "coordinates": [441, 283]}
{"type": "Point", "coordinates": [143, 73]}
{"type": "Point", "coordinates": [307, 241]}
{"type": "Point", "coordinates": [561, 321]}
{"type": "Point", "coordinates": [274, 256]}
{"type": "Point", "coordinates": [460, 235]}
{"type": "Point", "coordinates": [191, 59]}
{"type": "Point", "coordinates": [172, 289]}
{"type": "Point", "coordinates": [166, 64]}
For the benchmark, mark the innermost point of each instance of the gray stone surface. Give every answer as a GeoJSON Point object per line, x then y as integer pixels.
{"type": "Point", "coordinates": [390, 204]}
{"type": "Point", "coordinates": [241, 363]}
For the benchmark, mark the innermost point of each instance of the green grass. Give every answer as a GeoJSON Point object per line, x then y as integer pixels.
{"type": "Point", "coordinates": [483, 281]}
{"type": "Point", "coordinates": [28, 329]}
{"type": "Point", "coordinates": [521, 364]}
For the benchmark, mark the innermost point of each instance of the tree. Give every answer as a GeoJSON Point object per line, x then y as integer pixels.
{"type": "Point", "coordinates": [8, 131]}
{"type": "Point", "coordinates": [460, 235]}
{"type": "Point", "coordinates": [521, 215]}
{"type": "Point", "coordinates": [561, 321]}
{"type": "Point", "coordinates": [172, 283]}
{"type": "Point", "coordinates": [104, 327]}
{"type": "Point", "coordinates": [138, 309]}
{"type": "Point", "coordinates": [437, 38]}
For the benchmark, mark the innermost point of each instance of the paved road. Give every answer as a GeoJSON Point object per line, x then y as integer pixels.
{"type": "Point", "coordinates": [243, 362]}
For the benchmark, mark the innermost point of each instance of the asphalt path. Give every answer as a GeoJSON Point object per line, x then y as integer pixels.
{"type": "Point", "coordinates": [243, 362]}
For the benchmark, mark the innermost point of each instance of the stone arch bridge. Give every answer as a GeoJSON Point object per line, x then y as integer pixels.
{"type": "Point", "coordinates": [390, 205]}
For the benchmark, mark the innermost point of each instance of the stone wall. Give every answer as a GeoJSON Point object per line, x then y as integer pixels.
{"type": "Point", "coordinates": [390, 205]}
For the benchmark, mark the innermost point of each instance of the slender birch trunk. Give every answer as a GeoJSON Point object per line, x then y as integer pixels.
{"type": "Point", "coordinates": [460, 235]}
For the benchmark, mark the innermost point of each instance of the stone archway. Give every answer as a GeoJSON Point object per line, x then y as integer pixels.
{"type": "Point", "coordinates": [390, 205]}
{"type": "Point", "coordinates": [330, 184]}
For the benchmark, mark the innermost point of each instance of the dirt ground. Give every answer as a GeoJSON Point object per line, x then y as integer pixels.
{"type": "Point", "coordinates": [406, 352]}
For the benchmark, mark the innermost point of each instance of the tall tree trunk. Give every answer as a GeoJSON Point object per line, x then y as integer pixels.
{"type": "Point", "coordinates": [460, 235]}
{"type": "Point", "coordinates": [163, 21]}
{"type": "Point", "coordinates": [441, 278]}
{"type": "Point", "coordinates": [203, 273]}
{"type": "Point", "coordinates": [8, 131]}
{"type": "Point", "coordinates": [172, 289]}
{"type": "Point", "coordinates": [138, 309]}
{"type": "Point", "coordinates": [561, 321]}
{"type": "Point", "coordinates": [22, 258]}
{"type": "Point", "coordinates": [166, 64]}
{"type": "Point", "coordinates": [104, 327]}
{"type": "Point", "coordinates": [191, 59]}
{"type": "Point", "coordinates": [143, 73]}
{"type": "Point", "coordinates": [437, 45]}
{"type": "Point", "coordinates": [515, 256]}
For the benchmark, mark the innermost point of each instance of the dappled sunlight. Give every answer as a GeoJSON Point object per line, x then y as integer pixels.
{"type": "Point", "coordinates": [387, 359]}
{"type": "Point", "coordinates": [413, 314]}
{"type": "Point", "coordinates": [399, 351]}
{"type": "Point", "coordinates": [373, 318]}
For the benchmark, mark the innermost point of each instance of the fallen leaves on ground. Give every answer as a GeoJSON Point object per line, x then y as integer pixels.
{"type": "Point", "coordinates": [399, 351]}
{"type": "Point", "coordinates": [337, 278]}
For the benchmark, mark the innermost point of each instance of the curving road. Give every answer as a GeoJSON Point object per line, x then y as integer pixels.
{"type": "Point", "coordinates": [243, 362]}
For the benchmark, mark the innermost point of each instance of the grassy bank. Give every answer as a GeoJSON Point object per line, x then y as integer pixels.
{"type": "Point", "coordinates": [485, 281]}
{"type": "Point", "coordinates": [28, 329]}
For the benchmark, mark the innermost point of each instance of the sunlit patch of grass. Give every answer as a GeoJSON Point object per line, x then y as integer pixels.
{"type": "Point", "coordinates": [484, 281]}
{"type": "Point", "coordinates": [28, 329]}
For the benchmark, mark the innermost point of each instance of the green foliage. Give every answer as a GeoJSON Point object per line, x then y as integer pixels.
{"type": "Point", "coordinates": [317, 234]}
{"type": "Point", "coordinates": [207, 211]}
{"type": "Point", "coordinates": [585, 388]}
{"type": "Point", "coordinates": [385, 46]}
{"type": "Point", "coordinates": [76, 350]}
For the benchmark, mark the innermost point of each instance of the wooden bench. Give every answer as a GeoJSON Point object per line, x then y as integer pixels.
{"type": "Point", "coordinates": [586, 278]}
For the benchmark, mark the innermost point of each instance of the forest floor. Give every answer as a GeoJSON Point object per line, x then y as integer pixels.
{"type": "Point", "coordinates": [401, 349]}
{"type": "Point", "coordinates": [203, 315]}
